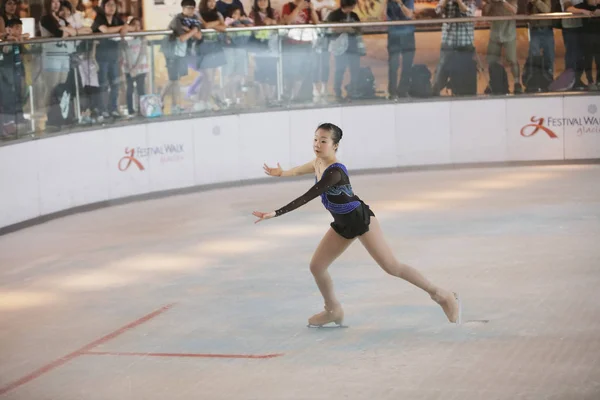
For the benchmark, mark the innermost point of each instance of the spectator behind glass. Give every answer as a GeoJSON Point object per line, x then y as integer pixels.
{"type": "Point", "coordinates": [56, 63]}
{"type": "Point", "coordinates": [90, 96]}
{"type": "Point", "coordinates": [224, 7]}
{"type": "Point", "coordinates": [401, 41]}
{"type": "Point", "coordinates": [541, 35]}
{"type": "Point", "coordinates": [503, 35]}
{"type": "Point", "coordinates": [321, 51]}
{"type": "Point", "coordinates": [266, 62]}
{"type": "Point", "coordinates": [299, 60]}
{"type": "Point", "coordinates": [135, 64]}
{"type": "Point", "coordinates": [107, 56]}
{"type": "Point", "coordinates": [456, 37]}
{"type": "Point", "coordinates": [210, 52]}
{"type": "Point", "coordinates": [24, 11]}
{"type": "Point", "coordinates": [185, 26]}
{"type": "Point", "coordinates": [74, 18]}
{"type": "Point", "coordinates": [591, 43]}
{"type": "Point", "coordinates": [572, 38]}
{"type": "Point", "coordinates": [350, 59]}
{"type": "Point", "coordinates": [236, 53]}
{"type": "Point", "coordinates": [12, 76]}
{"type": "Point", "coordinates": [9, 9]}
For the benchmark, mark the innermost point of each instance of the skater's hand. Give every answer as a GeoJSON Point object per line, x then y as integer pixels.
{"type": "Point", "coordinates": [273, 171]}
{"type": "Point", "coordinates": [262, 216]}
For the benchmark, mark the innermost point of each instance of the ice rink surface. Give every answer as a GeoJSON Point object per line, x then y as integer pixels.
{"type": "Point", "coordinates": [186, 298]}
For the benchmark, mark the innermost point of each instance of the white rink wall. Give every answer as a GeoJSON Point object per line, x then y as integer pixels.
{"type": "Point", "coordinates": [54, 174]}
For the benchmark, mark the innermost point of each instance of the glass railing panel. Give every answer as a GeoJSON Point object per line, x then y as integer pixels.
{"type": "Point", "coordinates": [54, 86]}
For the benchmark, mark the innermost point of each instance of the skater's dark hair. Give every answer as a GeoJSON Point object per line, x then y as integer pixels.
{"type": "Point", "coordinates": [336, 131]}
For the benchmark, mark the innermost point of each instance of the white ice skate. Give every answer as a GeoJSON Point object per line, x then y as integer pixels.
{"type": "Point", "coordinates": [322, 319]}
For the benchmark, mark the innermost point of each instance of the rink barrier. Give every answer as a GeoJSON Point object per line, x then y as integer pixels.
{"type": "Point", "coordinates": [58, 176]}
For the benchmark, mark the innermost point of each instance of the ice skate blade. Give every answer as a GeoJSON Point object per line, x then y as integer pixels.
{"type": "Point", "coordinates": [336, 326]}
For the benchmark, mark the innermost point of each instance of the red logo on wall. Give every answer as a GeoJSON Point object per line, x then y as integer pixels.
{"type": "Point", "coordinates": [126, 161]}
{"type": "Point", "coordinates": [537, 125]}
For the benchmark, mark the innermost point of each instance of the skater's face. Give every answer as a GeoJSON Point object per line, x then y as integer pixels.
{"type": "Point", "coordinates": [323, 144]}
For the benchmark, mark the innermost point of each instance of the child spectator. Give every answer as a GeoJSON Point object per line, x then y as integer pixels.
{"type": "Point", "coordinates": [74, 19]}
{"type": "Point", "coordinates": [135, 64]}
{"type": "Point", "coordinates": [88, 73]}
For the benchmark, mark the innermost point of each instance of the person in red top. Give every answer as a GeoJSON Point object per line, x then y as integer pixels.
{"type": "Point", "coordinates": [299, 63]}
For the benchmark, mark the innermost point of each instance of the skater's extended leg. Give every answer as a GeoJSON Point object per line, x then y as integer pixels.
{"type": "Point", "coordinates": [377, 247]}
{"type": "Point", "coordinates": [331, 247]}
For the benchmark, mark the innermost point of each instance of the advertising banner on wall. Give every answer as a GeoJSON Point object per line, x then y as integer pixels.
{"type": "Point", "coordinates": [531, 132]}
{"type": "Point", "coordinates": [127, 170]}
{"type": "Point", "coordinates": [478, 131]}
{"type": "Point", "coordinates": [217, 149]}
{"type": "Point", "coordinates": [423, 133]}
{"type": "Point", "coordinates": [76, 169]}
{"type": "Point", "coordinates": [581, 124]}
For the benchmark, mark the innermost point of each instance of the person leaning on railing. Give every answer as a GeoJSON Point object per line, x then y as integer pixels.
{"type": "Point", "coordinates": [9, 9]}
{"type": "Point", "coordinates": [185, 26]}
{"type": "Point", "coordinates": [456, 37]}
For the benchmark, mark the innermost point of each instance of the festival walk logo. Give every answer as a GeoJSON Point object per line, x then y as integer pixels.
{"type": "Point", "coordinates": [536, 125]}
{"type": "Point", "coordinates": [578, 125]}
{"type": "Point", "coordinates": [139, 156]}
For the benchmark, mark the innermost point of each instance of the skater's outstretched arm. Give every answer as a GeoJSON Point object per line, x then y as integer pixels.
{"type": "Point", "coordinates": [307, 168]}
{"type": "Point", "coordinates": [330, 178]}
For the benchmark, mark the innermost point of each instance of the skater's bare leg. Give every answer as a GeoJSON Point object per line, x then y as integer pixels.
{"type": "Point", "coordinates": [377, 247]}
{"type": "Point", "coordinates": [331, 247]}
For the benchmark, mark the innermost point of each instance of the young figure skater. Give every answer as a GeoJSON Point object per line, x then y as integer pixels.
{"type": "Point", "coordinates": [352, 219]}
